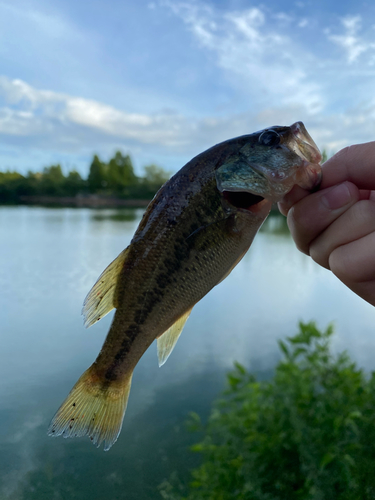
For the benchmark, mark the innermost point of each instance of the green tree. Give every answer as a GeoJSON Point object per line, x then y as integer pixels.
{"type": "Point", "coordinates": [324, 155]}
{"type": "Point", "coordinates": [12, 185]}
{"type": "Point", "coordinates": [120, 174]}
{"type": "Point", "coordinates": [52, 181]}
{"type": "Point", "coordinates": [117, 178]}
{"type": "Point", "coordinates": [155, 177]}
{"type": "Point", "coordinates": [74, 183]}
{"type": "Point", "coordinates": [306, 434]}
{"type": "Point", "coordinates": [33, 182]}
{"type": "Point", "coordinates": [97, 179]}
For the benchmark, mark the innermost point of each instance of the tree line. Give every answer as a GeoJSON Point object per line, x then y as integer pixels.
{"type": "Point", "coordinates": [115, 178]}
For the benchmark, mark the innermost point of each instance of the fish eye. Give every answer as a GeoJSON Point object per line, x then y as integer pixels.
{"type": "Point", "coordinates": [269, 138]}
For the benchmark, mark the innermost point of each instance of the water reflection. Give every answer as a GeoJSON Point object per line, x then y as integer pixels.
{"type": "Point", "coordinates": [49, 259]}
{"type": "Point", "coordinates": [116, 216]}
{"type": "Point", "coordinates": [151, 447]}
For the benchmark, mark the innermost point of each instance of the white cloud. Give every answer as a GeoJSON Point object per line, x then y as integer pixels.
{"type": "Point", "coordinates": [350, 41]}
{"type": "Point", "coordinates": [331, 131]}
{"type": "Point", "coordinates": [258, 60]}
{"type": "Point", "coordinates": [26, 460]}
{"type": "Point", "coordinates": [271, 74]}
{"type": "Point", "coordinates": [283, 79]}
{"type": "Point", "coordinates": [283, 17]}
{"type": "Point", "coordinates": [64, 122]}
{"type": "Point", "coordinates": [30, 111]}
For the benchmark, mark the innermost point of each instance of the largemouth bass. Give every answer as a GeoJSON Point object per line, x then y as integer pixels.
{"type": "Point", "coordinates": [195, 231]}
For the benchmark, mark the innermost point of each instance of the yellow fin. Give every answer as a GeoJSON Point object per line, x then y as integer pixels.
{"type": "Point", "coordinates": [168, 339]}
{"type": "Point", "coordinates": [101, 298]}
{"type": "Point", "coordinates": [92, 409]}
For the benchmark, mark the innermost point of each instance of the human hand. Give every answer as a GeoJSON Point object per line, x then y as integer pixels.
{"type": "Point", "coordinates": [336, 225]}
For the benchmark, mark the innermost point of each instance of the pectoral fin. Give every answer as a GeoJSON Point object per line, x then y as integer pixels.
{"type": "Point", "coordinates": [168, 339]}
{"type": "Point", "coordinates": [101, 298]}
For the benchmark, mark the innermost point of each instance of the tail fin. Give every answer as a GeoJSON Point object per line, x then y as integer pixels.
{"type": "Point", "coordinates": [92, 409]}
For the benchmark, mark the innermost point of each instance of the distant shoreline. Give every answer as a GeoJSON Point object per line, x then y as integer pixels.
{"type": "Point", "coordinates": [88, 201]}
{"type": "Point", "coordinates": [80, 201]}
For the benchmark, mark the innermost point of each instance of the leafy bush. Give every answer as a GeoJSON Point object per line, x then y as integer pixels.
{"type": "Point", "coordinates": [308, 433]}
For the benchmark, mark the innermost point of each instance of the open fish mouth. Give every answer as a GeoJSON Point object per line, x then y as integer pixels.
{"type": "Point", "coordinates": [269, 164]}
{"type": "Point", "coordinates": [242, 199]}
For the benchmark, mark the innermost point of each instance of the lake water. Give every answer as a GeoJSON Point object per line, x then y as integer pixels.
{"type": "Point", "coordinates": [49, 259]}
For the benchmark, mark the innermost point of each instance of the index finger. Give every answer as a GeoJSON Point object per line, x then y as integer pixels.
{"type": "Point", "coordinates": [354, 163]}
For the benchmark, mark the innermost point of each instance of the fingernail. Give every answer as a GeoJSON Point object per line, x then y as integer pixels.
{"type": "Point", "coordinates": [337, 197]}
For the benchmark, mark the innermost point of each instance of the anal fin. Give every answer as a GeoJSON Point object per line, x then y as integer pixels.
{"type": "Point", "coordinates": [168, 339]}
{"type": "Point", "coordinates": [101, 298]}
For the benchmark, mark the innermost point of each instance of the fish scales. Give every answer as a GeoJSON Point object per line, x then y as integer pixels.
{"type": "Point", "coordinates": [194, 232]}
{"type": "Point", "coordinates": [189, 255]}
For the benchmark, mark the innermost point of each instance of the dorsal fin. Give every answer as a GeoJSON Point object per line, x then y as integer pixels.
{"type": "Point", "coordinates": [101, 298]}
{"type": "Point", "coordinates": [167, 340]}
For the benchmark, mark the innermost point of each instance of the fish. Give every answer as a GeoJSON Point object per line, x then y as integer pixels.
{"type": "Point", "coordinates": [194, 232]}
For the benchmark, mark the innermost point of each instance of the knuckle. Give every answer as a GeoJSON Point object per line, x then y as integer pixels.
{"type": "Point", "coordinates": [341, 155]}
{"type": "Point", "coordinates": [340, 264]}
{"type": "Point", "coordinates": [297, 231]}
{"type": "Point", "coordinates": [365, 211]}
{"type": "Point", "coordinates": [319, 255]}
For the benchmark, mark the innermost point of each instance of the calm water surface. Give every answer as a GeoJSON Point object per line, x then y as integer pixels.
{"type": "Point", "coordinates": [49, 259]}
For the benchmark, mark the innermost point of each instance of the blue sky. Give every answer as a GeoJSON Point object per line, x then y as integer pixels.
{"type": "Point", "coordinates": [165, 79]}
